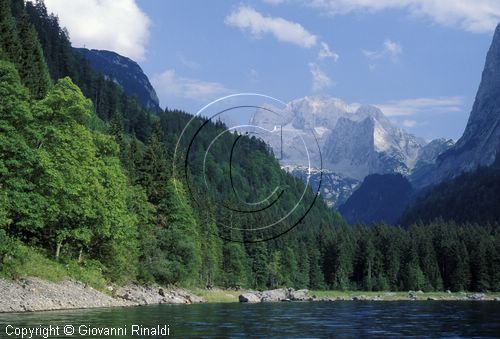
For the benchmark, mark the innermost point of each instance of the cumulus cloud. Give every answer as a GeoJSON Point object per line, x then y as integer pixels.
{"type": "Point", "coordinates": [320, 80]}
{"type": "Point", "coordinates": [120, 26]}
{"type": "Point", "coordinates": [469, 15]}
{"type": "Point", "coordinates": [170, 85]}
{"type": "Point", "coordinates": [409, 107]}
{"type": "Point", "coordinates": [248, 19]}
{"type": "Point", "coordinates": [390, 49]}
{"type": "Point", "coordinates": [325, 52]}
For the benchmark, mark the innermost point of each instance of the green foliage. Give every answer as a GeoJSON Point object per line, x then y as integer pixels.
{"type": "Point", "coordinates": [19, 44]}
{"type": "Point", "coordinates": [211, 251]}
{"type": "Point", "coordinates": [178, 237]}
{"type": "Point", "coordinates": [23, 206]}
{"type": "Point", "coordinates": [235, 272]}
{"type": "Point", "coordinates": [432, 257]}
{"type": "Point", "coordinates": [63, 61]}
{"type": "Point", "coordinates": [470, 197]}
{"type": "Point", "coordinates": [33, 70]}
{"type": "Point", "coordinates": [88, 183]}
{"type": "Point", "coordinates": [9, 39]}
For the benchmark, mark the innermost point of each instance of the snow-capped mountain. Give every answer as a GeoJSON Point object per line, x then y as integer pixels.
{"type": "Point", "coordinates": [354, 141]}
{"type": "Point", "coordinates": [335, 188]}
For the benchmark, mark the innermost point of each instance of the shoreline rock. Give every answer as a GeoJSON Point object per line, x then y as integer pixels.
{"type": "Point", "coordinates": [34, 294]}
{"type": "Point", "coordinates": [279, 294]}
{"type": "Point", "coordinates": [289, 294]}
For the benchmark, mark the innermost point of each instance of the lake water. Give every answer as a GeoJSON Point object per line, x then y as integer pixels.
{"type": "Point", "coordinates": [291, 320]}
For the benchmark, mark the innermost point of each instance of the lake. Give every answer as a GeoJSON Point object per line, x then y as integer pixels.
{"type": "Point", "coordinates": [340, 319]}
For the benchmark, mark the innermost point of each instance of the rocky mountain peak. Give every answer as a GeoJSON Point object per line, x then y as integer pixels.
{"type": "Point", "coordinates": [480, 143]}
{"type": "Point", "coordinates": [126, 72]}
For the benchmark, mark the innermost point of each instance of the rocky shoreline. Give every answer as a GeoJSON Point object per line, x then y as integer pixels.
{"type": "Point", "coordinates": [34, 294]}
{"type": "Point", "coordinates": [289, 294]}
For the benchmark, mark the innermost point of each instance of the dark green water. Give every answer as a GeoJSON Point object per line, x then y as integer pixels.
{"type": "Point", "coordinates": [290, 320]}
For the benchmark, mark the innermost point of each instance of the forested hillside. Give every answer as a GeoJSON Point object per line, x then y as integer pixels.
{"type": "Point", "coordinates": [380, 198]}
{"type": "Point", "coordinates": [471, 197]}
{"type": "Point", "coordinates": [87, 189]}
{"type": "Point", "coordinates": [90, 181]}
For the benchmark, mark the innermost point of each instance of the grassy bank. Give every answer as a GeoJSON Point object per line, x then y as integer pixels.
{"type": "Point", "coordinates": [228, 296]}
{"type": "Point", "coordinates": [394, 296]}
{"type": "Point", "coordinates": [23, 261]}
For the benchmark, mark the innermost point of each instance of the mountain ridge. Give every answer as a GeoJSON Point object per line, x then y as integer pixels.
{"type": "Point", "coordinates": [480, 142]}
{"type": "Point", "coordinates": [126, 72]}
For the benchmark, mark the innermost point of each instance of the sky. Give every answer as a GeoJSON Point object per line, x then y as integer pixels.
{"type": "Point", "coordinates": [420, 61]}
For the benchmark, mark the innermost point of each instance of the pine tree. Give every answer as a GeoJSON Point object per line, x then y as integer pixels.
{"type": "Point", "coordinates": [259, 257]}
{"type": "Point", "coordinates": [33, 69]}
{"type": "Point", "coordinates": [178, 236]}
{"type": "Point", "coordinates": [9, 39]}
{"type": "Point", "coordinates": [234, 269]}
{"type": "Point", "coordinates": [154, 171]}
{"type": "Point", "coordinates": [211, 248]}
{"type": "Point", "coordinates": [133, 160]}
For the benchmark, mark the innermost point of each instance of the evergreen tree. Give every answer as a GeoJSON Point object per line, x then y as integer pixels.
{"type": "Point", "coordinates": [178, 236]}
{"type": "Point", "coordinates": [211, 249]}
{"type": "Point", "coordinates": [234, 270]}
{"type": "Point", "coordinates": [33, 69]}
{"type": "Point", "coordinates": [9, 39]}
{"type": "Point", "coordinates": [154, 171]}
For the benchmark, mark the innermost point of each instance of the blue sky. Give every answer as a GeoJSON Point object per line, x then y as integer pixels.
{"type": "Point", "coordinates": [418, 60]}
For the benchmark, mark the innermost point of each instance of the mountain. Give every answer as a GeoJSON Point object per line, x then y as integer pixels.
{"type": "Point", "coordinates": [427, 157]}
{"type": "Point", "coordinates": [471, 197]}
{"type": "Point", "coordinates": [355, 141]}
{"type": "Point", "coordinates": [335, 188]}
{"type": "Point", "coordinates": [380, 198]}
{"type": "Point", "coordinates": [126, 72]}
{"type": "Point", "coordinates": [480, 143]}
{"type": "Point", "coordinates": [365, 142]}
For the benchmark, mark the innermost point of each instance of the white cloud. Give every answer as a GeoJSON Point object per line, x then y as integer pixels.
{"type": "Point", "coordinates": [320, 79]}
{"type": "Point", "coordinates": [390, 49]}
{"type": "Point", "coordinates": [325, 52]}
{"type": "Point", "coordinates": [189, 63]}
{"type": "Point", "coordinates": [170, 85]}
{"type": "Point", "coordinates": [469, 15]}
{"type": "Point", "coordinates": [409, 107]}
{"type": "Point", "coordinates": [120, 26]}
{"type": "Point", "coordinates": [409, 123]}
{"type": "Point", "coordinates": [247, 18]}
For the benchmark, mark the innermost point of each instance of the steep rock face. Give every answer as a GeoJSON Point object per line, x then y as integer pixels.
{"type": "Point", "coordinates": [126, 72]}
{"type": "Point", "coordinates": [430, 152]}
{"type": "Point", "coordinates": [427, 157]}
{"type": "Point", "coordinates": [355, 140]}
{"type": "Point", "coordinates": [365, 142]}
{"type": "Point", "coordinates": [480, 142]}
